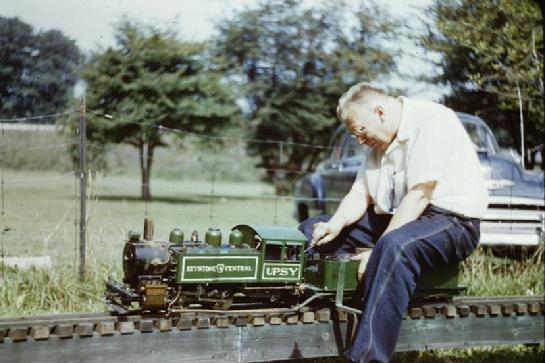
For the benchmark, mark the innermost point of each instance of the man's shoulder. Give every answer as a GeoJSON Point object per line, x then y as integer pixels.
{"type": "Point", "coordinates": [425, 106]}
{"type": "Point", "coordinates": [429, 114]}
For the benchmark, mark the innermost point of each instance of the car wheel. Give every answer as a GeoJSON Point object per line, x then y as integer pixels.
{"type": "Point", "coordinates": [302, 212]}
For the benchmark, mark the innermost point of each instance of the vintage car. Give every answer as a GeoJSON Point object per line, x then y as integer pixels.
{"type": "Point", "coordinates": [515, 214]}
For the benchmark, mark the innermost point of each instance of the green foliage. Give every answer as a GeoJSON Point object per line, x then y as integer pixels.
{"type": "Point", "coordinates": [40, 291]}
{"type": "Point", "coordinates": [151, 79]}
{"type": "Point", "coordinates": [489, 50]}
{"type": "Point", "coordinates": [486, 275]}
{"type": "Point", "coordinates": [37, 70]}
{"type": "Point", "coordinates": [293, 64]}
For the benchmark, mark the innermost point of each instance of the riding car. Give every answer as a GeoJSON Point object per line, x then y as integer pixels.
{"type": "Point", "coordinates": [516, 210]}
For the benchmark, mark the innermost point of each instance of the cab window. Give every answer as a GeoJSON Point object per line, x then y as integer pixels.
{"type": "Point", "coordinates": [273, 252]}
{"type": "Point", "coordinates": [293, 252]}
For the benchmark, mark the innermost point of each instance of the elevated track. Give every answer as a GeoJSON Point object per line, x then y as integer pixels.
{"type": "Point", "coordinates": [247, 336]}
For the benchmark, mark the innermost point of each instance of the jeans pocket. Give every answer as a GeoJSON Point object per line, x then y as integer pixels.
{"type": "Point", "coordinates": [467, 240]}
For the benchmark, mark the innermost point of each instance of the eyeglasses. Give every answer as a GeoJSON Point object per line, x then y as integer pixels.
{"type": "Point", "coordinates": [359, 132]}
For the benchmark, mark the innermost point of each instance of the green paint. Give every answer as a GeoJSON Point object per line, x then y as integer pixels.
{"type": "Point", "coordinates": [324, 274]}
{"type": "Point", "coordinates": [269, 233]}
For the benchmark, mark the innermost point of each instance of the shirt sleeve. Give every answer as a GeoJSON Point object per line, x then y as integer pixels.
{"type": "Point", "coordinates": [429, 153]}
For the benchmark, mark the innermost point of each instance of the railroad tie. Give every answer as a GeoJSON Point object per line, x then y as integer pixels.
{"type": "Point", "coordinates": [507, 309]}
{"type": "Point", "coordinates": [186, 321]}
{"type": "Point", "coordinates": [203, 322]}
{"type": "Point", "coordinates": [241, 320]}
{"type": "Point", "coordinates": [307, 317]}
{"type": "Point", "coordinates": [521, 308]}
{"type": "Point", "coordinates": [145, 325]}
{"type": "Point", "coordinates": [163, 325]}
{"type": "Point", "coordinates": [292, 319]}
{"type": "Point", "coordinates": [18, 334]}
{"type": "Point", "coordinates": [493, 309]}
{"type": "Point", "coordinates": [479, 310]}
{"type": "Point", "coordinates": [84, 329]}
{"type": "Point", "coordinates": [463, 311]}
{"type": "Point", "coordinates": [341, 315]}
{"type": "Point", "coordinates": [64, 331]}
{"type": "Point", "coordinates": [322, 315]}
{"type": "Point", "coordinates": [449, 311]}
{"type": "Point", "coordinates": [274, 319]}
{"type": "Point", "coordinates": [258, 320]}
{"type": "Point", "coordinates": [39, 332]}
{"type": "Point", "coordinates": [125, 327]}
{"type": "Point", "coordinates": [533, 308]}
{"type": "Point", "coordinates": [415, 313]}
{"type": "Point", "coordinates": [222, 322]}
{"type": "Point", "coordinates": [429, 312]}
{"type": "Point", "coordinates": [105, 328]}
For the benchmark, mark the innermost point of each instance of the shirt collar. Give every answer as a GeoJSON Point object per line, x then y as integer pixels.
{"type": "Point", "coordinates": [403, 132]}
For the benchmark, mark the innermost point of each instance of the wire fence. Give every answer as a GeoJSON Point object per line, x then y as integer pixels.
{"type": "Point", "coordinates": [40, 190]}
{"type": "Point", "coordinates": [193, 188]}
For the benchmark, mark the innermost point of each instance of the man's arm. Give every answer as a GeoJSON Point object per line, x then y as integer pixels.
{"type": "Point", "coordinates": [351, 209]}
{"type": "Point", "coordinates": [412, 205]}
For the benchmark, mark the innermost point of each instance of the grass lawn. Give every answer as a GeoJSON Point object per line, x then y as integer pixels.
{"type": "Point", "coordinates": [40, 212]}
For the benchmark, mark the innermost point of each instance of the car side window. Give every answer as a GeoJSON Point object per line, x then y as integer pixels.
{"type": "Point", "coordinates": [337, 144]}
{"type": "Point", "coordinates": [352, 147]}
{"type": "Point", "coordinates": [490, 141]}
{"type": "Point", "coordinates": [475, 135]}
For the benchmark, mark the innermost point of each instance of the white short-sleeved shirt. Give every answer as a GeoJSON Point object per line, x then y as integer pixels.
{"type": "Point", "coordinates": [431, 145]}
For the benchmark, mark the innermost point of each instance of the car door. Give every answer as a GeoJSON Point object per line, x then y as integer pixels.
{"type": "Point", "coordinates": [330, 171]}
{"type": "Point", "coordinates": [343, 170]}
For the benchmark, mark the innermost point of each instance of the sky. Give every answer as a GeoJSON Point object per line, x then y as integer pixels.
{"type": "Point", "coordinates": [90, 23]}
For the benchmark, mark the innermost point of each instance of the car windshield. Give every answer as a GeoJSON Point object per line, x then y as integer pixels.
{"type": "Point", "coordinates": [481, 136]}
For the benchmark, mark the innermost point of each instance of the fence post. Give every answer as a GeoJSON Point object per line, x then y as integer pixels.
{"type": "Point", "coordinates": [521, 119]}
{"type": "Point", "coordinates": [83, 186]}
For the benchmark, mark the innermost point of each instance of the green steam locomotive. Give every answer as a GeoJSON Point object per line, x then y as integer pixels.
{"type": "Point", "coordinates": [260, 265]}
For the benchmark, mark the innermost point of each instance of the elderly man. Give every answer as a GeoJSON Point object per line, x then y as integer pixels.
{"type": "Point", "coordinates": [417, 201]}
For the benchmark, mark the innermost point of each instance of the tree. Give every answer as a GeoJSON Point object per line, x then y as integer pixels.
{"type": "Point", "coordinates": [293, 64]}
{"type": "Point", "coordinates": [492, 50]}
{"type": "Point", "coordinates": [37, 70]}
{"type": "Point", "coordinates": [151, 79]}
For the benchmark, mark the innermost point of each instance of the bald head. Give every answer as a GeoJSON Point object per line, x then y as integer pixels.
{"type": "Point", "coordinates": [370, 115]}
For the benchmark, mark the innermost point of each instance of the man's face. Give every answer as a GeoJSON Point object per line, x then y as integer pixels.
{"type": "Point", "coordinates": [366, 124]}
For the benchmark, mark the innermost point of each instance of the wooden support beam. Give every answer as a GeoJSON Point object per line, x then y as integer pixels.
{"type": "Point", "coordinates": [249, 343]}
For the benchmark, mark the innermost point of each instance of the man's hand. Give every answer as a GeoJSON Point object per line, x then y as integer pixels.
{"type": "Point", "coordinates": [363, 257]}
{"type": "Point", "coordinates": [324, 233]}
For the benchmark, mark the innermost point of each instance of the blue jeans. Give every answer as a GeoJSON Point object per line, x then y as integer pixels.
{"type": "Point", "coordinates": [437, 238]}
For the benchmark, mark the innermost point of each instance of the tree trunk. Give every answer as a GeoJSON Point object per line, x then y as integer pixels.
{"type": "Point", "coordinates": [146, 160]}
